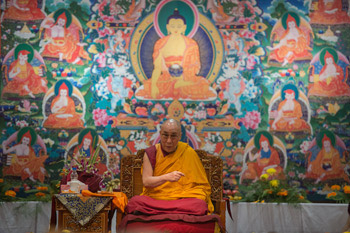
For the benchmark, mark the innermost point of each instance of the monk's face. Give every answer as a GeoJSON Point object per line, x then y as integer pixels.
{"type": "Point", "coordinates": [25, 141]}
{"type": "Point", "coordinates": [22, 58]}
{"type": "Point", "coordinates": [265, 145]}
{"type": "Point", "coordinates": [61, 22]}
{"type": "Point", "coordinates": [87, 143]}
{"type": "Point", "coordinates": [176, 26]}
{"type": "Point", "coordinates": [63, 92]}
{"type": "Point", "coordinates": [329, 61]}
{"type": "Point", "coordinates": [290, 96]}
{"type": "Point", "coordinates": [170, 134]}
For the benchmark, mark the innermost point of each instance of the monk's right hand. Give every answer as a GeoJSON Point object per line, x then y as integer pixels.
{"type": "Point", "coordinates": [174, 176]}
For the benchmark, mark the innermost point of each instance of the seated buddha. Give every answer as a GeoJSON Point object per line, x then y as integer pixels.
{"type": "Point", "coordinates": [25, 163]}
{"type": "Point", "coordinates": [63, 113]}
{"type": "Point", "coordinates": [327, 163]}
{"type": "Point", "coordinates": [330, 82]}
{"type": "Point", "coordinates": [293, 42]}
{"type": "Point", "coordinates": [62, 38]}
{"type": "Point", "coordinates": [24, 10]}
{"type": "Point", "coordinates": [328, 12]}
{"type": "Point", "coordinates": [289, 115]}
{"type": "Point", "coordinates": [22, 78]}
{"type": "Point", "coordinates": [87, 143]}
{"type": "Point", "coordinates": [265, 157]}
{"type": "Point", "coordinates": [176, 63]}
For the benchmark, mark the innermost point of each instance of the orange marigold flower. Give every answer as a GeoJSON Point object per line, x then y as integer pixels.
{"type": "Point", "coordinates": [301, 197]}
{"type": "Point", "coordinates": [347, 189]}
{"type": "Point", "coordinates": [283, 192]}
{"type": "Point", "coordinates": [335, 187]}
{"type": "Point", "coordinates": [10, 193]}
{"type": "Point", "coordinates": [40, 194]}
{"type": "Point", "coordinates": [1, 180]}
{"type": "Point", "coordinates": [44, 188]}
{"type": "Point", "coordinates": [331, 194]}
{"type": "Point", "coordinates": [269, 191]}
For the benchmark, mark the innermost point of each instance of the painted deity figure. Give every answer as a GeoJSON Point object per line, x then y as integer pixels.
{"type": "Point", "coordinates": [87, 142]}
{"type": "Point", "coordinates": [289, 115]}
{"type": "Point", "coordinates": [329, 82]}
{"type": "Point", "coordinates": [25, 163]}
{"type": "Point", "coordinates": [63, 113]}
{"type": "Point", "coordinates": [233, 84]}
{"type": "Point", "coordinates": [293, 43]}
{"type": "Point", "coordinates": [176, 65]}
{"type": "Point", "coordinates": [327, 164]}
{"type": "Point", "coordinates": [24, 10]}
{"type": "Point", "coordinates": [266, 157]}
{"type": "Point", "coordinates": [328, 12]}
{"type": "Point", "coordinates": [22, 78]}
{"type": "Point", "coordinates": [61, 38]}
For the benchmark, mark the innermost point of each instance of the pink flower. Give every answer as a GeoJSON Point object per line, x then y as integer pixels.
{"type": "Point", "coordinates": [133, 101]}
{"type": "Point", "coordinates": [101, 117]}
{"type": "Point", "coordinates": [247, 34]}
{"type": "Point", "coordinates": [304, 147]}
{"type": "Point", "coordinates": [291, 174]}
{"type": "Point", "coordinates": [101, 59]}
{"type": "Point", "coordinates": [251, 120]}
{"type": "Point", "coordinates": [251, 62]}
{"type": "Point", "coordinates": [167, 104]}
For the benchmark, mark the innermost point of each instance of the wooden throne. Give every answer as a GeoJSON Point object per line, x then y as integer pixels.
{"type": "Point", "coordinates": [131, 180]}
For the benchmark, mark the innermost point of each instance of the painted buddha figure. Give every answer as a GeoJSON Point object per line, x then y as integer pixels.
{"type": "Point", "coordinates": [289, 117]}
{"type": "Point", "coordinates": [22, 78]}
{"type": "Point", "coordinates": [329, 82]}
{"type": "Point", "coordinates": [293, 43]}
{"type": "Point", "coordinates": [327, 162]}
{"type": "Point", "coordinates": [61, 38]}
{"type": "Point", "coordinates": [176, 63]}
{"type": "Point", "coordinates": [328, 12]}
{"type": "Point", "coordinates": [25, 163]}
{"type": "Point", "coordinates": [266, 157]}
{"type": "Point", "coordinates": [24, 10]}
{"type": "Point", "coordinates": [63, 113]}
{"type": "Point", "coordinates": [87, 143]}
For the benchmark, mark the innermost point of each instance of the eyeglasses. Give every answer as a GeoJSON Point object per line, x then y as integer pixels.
{"type": "Point", "coordinates": [171, 136]}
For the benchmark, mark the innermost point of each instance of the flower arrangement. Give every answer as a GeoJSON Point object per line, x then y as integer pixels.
{"type": "Point", "coordinates": [108, 183]}
{"type": "Point", "coordinates": [86, 164]}
{"type": "Point", "coordinates": [339, 194]}
{"type": "Point", "coordinates": [270, 189]}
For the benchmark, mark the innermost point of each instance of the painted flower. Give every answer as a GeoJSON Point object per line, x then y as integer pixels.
{"type": "Point", "coordinates": [21, 123]}
{"type": "Point", "coordinates": [274, 183]}
{"type": "Point", "coordinates": [251, 120]}
{"type": "Point", "coordinates": [251, 62]}
{"type": "Point", "coordinates": [10, 193]}
{"type": "Point", "coordinates": [304, 147]}
{"type": "Point", "coordinates": [291, 174]}
{"type": "Point", "coordinates": [100, 117]}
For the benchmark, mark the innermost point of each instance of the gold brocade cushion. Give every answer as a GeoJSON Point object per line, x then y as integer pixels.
{"type": "Point", "coordinates": [81, 207]}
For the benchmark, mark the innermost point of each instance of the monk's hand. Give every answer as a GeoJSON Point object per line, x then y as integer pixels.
{"type": "Point", "coordinates": [174, 176]}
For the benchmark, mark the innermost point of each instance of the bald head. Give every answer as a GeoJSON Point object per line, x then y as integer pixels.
{"type": "Point", "coordinates": [170, 134]}
{"type": "Point", "coordinates": [171, 123]}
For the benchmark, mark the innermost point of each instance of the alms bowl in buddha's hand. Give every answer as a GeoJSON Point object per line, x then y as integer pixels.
{"type": "Point", "coordinates": [175, 70]}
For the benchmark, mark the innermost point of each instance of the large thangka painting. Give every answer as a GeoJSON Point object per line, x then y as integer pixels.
{"type": "Point", "coordinates": [258, 83]}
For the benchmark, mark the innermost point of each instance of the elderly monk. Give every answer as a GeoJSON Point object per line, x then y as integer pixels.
{"type": "Point", "coordinates": [172, 170]}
